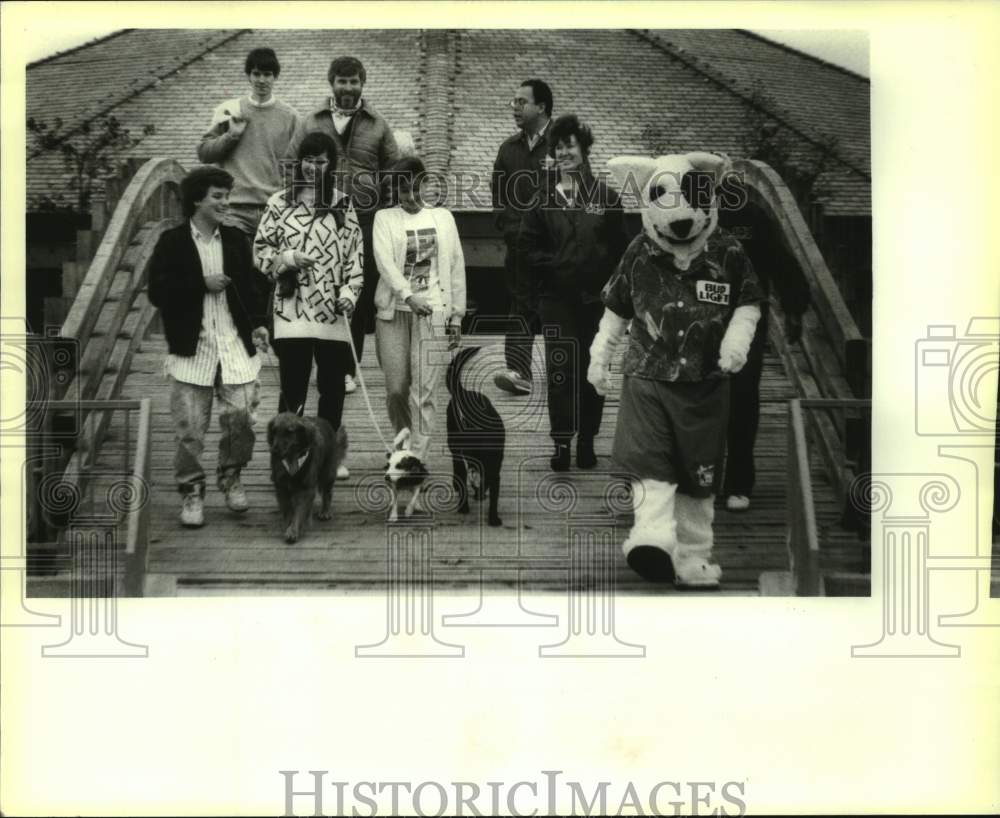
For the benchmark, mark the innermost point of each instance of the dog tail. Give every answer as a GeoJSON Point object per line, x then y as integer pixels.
{"type": "Point", "coordinates": [454, 374]}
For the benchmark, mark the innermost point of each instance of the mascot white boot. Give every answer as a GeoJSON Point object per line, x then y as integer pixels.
{"type": "Point", "coordinates": [689, 296]}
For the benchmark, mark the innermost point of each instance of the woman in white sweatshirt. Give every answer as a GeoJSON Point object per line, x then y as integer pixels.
{"type": "Point", "coordinates": [420, 296]}
{"type": "Point", "coordinates": [310, 243]}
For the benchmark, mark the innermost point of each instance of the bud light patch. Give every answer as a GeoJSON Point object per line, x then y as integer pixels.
{"type": "Point", "coordinates": [714, 292]}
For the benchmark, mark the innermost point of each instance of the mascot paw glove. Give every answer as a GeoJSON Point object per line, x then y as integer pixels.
{"type": "Point", "coordinates": [732, 362]}
{"type": "Point", "coordinates": [600, 378]}
{"type": "Point", "coordinates": [735, 344]}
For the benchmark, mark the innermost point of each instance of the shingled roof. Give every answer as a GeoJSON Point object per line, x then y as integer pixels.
{"type": "Point", "coordinates": [641, 91]}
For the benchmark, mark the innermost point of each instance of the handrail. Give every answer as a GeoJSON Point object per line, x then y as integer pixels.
{"type": "Point", "coordinates": [139, 496]}
{"type": "Point", "coordinates": [803, 532]}
{"type": "Point", "coordinates": [110, 314]}
{"type": "Point", "coordinates": [145, 184]}
{"type": "Point", "coordinates": [849, 345]}
{"type": "Point", "coordinates": [137, 542]}
{"type": "Point", "coordinates": [144, 191]}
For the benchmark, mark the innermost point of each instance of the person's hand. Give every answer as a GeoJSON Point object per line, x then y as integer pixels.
{"type": "Point", "coordinates": [217, 282]}
{"type": "Point", "coordinates": [419, 305]}
{"type": "Point", "coordinates": [793, 328]}
{"type": "Point", "coordinates": [600, 378]}
{"type": "Point", "coordinates": [261, 339]}
{"type": "Point", "coordinates": [731, 362]}
{"type": "Point", "coordinates": [237, 125]}
{"type": "Point", "coordinates": [302, 261]}
{"type": "Point", "coordinates": [345, 306]}
{"type": "Point", "coordinates": [454, 333]}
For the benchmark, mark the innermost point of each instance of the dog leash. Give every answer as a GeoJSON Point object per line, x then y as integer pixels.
{"type": "Point", "coordinates": [364, 390]}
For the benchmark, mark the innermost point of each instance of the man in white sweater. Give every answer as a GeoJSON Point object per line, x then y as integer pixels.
{"type": "Point", "coordinates": [249, 137]}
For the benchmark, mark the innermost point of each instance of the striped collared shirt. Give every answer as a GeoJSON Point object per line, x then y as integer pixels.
{"type": "Point", "coordinates": [219, 343]}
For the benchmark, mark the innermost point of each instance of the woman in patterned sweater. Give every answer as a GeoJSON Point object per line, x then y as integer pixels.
{"type": "Point", "coordinates": [309, 242]}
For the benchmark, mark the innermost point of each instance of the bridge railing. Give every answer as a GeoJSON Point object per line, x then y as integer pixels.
{"type": "Point", "coordinates": [804, 416]}
{"type": "Point", "coordinates": [146, 208]}
{"type": "Point", "coordinates": [111, 313]}
{"type": "Point", "coordinates": [57, 495]}
{"type": "Point", "coordinates": [834, 334]}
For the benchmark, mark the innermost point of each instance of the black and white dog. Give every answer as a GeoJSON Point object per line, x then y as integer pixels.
{"type": "Point", "coordinates": [476, 439]}
{"type": "Point", "coordinates": [404, 474]}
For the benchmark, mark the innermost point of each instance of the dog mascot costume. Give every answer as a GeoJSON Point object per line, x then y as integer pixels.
{"type": "Point", "coordinates": [689, 297]}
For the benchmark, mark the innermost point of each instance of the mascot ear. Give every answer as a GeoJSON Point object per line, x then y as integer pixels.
{"type": "Point", "coordinates": [632, 173]}
{"type": "Point", "coordinates": [716, 163]}
{"type": "Point", "coordinates": [270, 432]}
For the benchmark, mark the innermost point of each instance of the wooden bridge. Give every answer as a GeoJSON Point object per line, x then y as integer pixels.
{"type": "Point", "coordinates": [558, 528]}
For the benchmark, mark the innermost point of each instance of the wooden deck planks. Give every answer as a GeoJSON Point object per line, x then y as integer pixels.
{"type": "Point", "coordinates": [247, 552]}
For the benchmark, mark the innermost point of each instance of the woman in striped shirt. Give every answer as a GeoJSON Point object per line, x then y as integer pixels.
{"type": "Point", "coordinates": [309, 242]}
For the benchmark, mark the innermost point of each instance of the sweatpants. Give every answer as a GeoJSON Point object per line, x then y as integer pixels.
{"type": "Point", "coordinates": [408, 350]}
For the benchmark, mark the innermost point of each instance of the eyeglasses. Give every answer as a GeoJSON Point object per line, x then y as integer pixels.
{"type": "Point", "coordinates": [517, 103]}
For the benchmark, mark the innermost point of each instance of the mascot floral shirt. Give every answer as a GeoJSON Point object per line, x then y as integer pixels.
{"type": "Point", "coordinates": [679, 316]}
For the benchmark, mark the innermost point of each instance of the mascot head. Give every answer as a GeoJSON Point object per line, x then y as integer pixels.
{"type": "Point", "coordinates": [678, 194]}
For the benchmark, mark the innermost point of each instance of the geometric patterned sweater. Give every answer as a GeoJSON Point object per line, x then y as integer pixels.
{"type": "Point", "coordinates": [333, 238]}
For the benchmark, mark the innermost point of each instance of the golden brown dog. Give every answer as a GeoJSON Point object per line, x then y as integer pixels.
{"type": "Point", "coordinates": [305, 453]}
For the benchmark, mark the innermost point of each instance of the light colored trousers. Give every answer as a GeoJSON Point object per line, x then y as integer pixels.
{"type": "Point", "coordinates": [191, 409]}
{"type": "Point", "coordinates": [412, 352]}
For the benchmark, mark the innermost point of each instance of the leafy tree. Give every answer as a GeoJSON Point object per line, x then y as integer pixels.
{"type": "Point", "coordinates": [89, 153]}
{"type": "Point", "coordinates": [799, 162]}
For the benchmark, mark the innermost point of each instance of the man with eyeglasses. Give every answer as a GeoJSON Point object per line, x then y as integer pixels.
{"type": "Point", "coordinates": [517, 174]}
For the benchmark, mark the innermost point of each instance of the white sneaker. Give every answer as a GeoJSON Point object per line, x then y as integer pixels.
{"type": "Point", "coordinates": [737, 502]}
{"type": "Point", "coordinates": [193, 511]}
{"type": "Point", "coordinates": [695, 572]}
{"type": "Point", "coordinates": [350, 385]}
{"type": "Point", "coordinates": [343, 472]}
{"type": "Point", "coordinates": [236, 497]}
{"type": "Point", "coordinates": [513, 382]}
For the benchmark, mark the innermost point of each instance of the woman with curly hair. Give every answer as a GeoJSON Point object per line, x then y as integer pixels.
{"type": "Point", "coordinates": [569, 244]}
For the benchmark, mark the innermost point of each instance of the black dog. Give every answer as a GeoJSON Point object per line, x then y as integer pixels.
{"type": "Point", "coordinates": [305, 453]}
{"type": "Point", "coordinates": [476, 439]}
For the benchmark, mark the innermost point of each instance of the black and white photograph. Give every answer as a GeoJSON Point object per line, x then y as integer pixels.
{"type": "Point", "coordinates": [598, 329]}
{"type": "Point", "coordinates": [499, 408]}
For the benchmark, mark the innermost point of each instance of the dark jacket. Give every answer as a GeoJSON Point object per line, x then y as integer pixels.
{"type": "Point", "coordinates": [776, 268]}
{"type": "Point", "coordinates": [177, 287]}
{"type": "Point", "coordinates": [570, 252]}
{"type": "Point", "coordinates": [365, 150]}
{"type": "Point", "coordinates": [517, 173]}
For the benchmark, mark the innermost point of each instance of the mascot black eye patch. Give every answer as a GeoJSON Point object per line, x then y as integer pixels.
{"type": "Point", "coordinates": [698, 188]}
